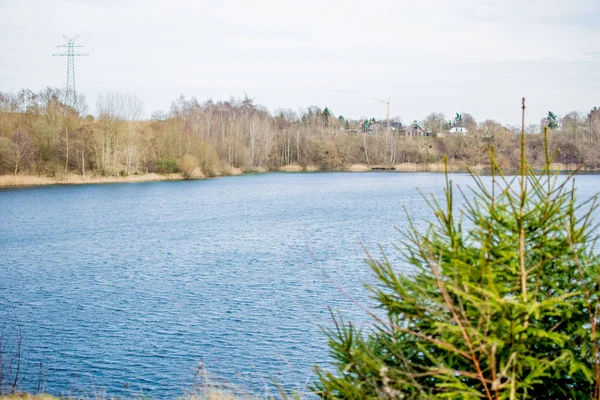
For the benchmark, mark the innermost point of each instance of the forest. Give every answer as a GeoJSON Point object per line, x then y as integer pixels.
{"type": "Point", "coordinates": [41, 135]}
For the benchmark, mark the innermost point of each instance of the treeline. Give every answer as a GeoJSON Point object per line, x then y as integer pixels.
{"type": "Point", "coordinates": [40, 134]}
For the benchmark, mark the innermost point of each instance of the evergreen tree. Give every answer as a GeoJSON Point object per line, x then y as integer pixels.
{"type": "Point", "coordinates": [594, 113]}
{"type": "Point", "coordinates": [506, 309]}
{"type": "Point", "coordinates": [552, 120]}
{"type": "Point", "coordinates": [326, 115]}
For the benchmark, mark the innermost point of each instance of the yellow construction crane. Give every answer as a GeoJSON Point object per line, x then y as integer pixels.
{"type": "Point", "coordinates": [388, 110]}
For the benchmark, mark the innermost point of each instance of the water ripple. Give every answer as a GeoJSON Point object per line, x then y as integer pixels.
{"type": "Point", "coordinates": [139, 283]}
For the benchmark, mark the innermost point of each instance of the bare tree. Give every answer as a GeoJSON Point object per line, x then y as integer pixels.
{"type": "Point", "coordinates": [434, 122]}
{"type": "Point", "coordinates": [489, 130]}
{"type": "Point", "coordinates": [110, 118]}
{"type": "Point", "coordinates": [133, 109]}
{"type": "Point", "coordinates": [23, 148]}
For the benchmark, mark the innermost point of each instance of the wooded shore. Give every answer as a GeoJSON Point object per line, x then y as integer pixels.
{"type": "Point", "coordinates": [44, 141]}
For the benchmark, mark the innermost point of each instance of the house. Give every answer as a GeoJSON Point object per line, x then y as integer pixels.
{"type": "Point", "coordinates": [458, 127]}
{"type": "Point", "coordinates": [375, 127]}
{"type": "Point", "coordinates": [395, 126]}
{"type": "Point", "coordinates": [369, 126]}
{"type": "Point", "coordinates": [414, 130]}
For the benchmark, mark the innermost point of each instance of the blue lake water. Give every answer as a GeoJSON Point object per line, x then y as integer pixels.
{"type": "Point", "coordinates": [140, 283]}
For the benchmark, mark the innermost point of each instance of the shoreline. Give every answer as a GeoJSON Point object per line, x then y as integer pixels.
{"type": "Point", "coordinates": [28, 180]}
{"type": "Point", "coordinates": [8, 181]}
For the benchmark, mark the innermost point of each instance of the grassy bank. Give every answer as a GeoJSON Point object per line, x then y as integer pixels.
{"type": "Point", "coordinates": [75, 179]}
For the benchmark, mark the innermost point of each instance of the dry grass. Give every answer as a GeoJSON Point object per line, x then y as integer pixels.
{"type": "Point", "coordinates": [300, 168]}
{"type": "Point", "coordinates": [359, 168]}
{"type": "Point", "coordinates": [73, 179]}
{"type": "Point", "coordinates": [412, 167]}
{"type": "Point", "coordinates": [227, 170]}
{"type": "Point", "coordinates": [566, 167]}
{"type": "Point", "coordinates": [435, 167]}
{"type": "Point", "coordinates": [25, 180]}
{"type": "Point", "coordinates": [291, 168]}
{"type": "Point", "coordinates": [255, 170]}
{"type": "Point", "coordinates": [197, 174]}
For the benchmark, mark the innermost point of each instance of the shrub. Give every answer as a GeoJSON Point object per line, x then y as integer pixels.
{"type": "Point", "coordinates": [151, 166]}
{"type": "Point", "coordinates": [53, 169]}
{"type": "Point", "coordinates": [187, 165]}
{"type": "Point", "coordinates": [6, 156]}
{"type": "Point", "coordinates": [505, 309]}
{"type": "Point", "coordinates": [167, 167]}
{"type": "Point", "coordinates": [208, 160]}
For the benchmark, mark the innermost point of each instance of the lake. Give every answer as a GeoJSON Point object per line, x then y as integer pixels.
{"type": "Point", "coordinates": [139, 284]}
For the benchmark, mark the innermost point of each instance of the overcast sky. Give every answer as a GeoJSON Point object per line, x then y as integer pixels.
{"type": "Point", "coordinates": [470, 56]}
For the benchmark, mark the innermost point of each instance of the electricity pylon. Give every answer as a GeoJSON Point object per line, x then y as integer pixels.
{"type": "Point", "coordinates": [71, 94]}
{"type": "Point", "coordinates": [388, 109]}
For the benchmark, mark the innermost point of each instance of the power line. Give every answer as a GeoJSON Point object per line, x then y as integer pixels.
{"type": "Point", "coordinates": [71, 94]}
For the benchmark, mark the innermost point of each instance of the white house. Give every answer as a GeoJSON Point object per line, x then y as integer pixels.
{"type": "Point", "coordinates": [458, 127]}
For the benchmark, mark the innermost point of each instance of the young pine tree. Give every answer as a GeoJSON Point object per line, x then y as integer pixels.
{"type": "Point", "coordinates": [506, 309]}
